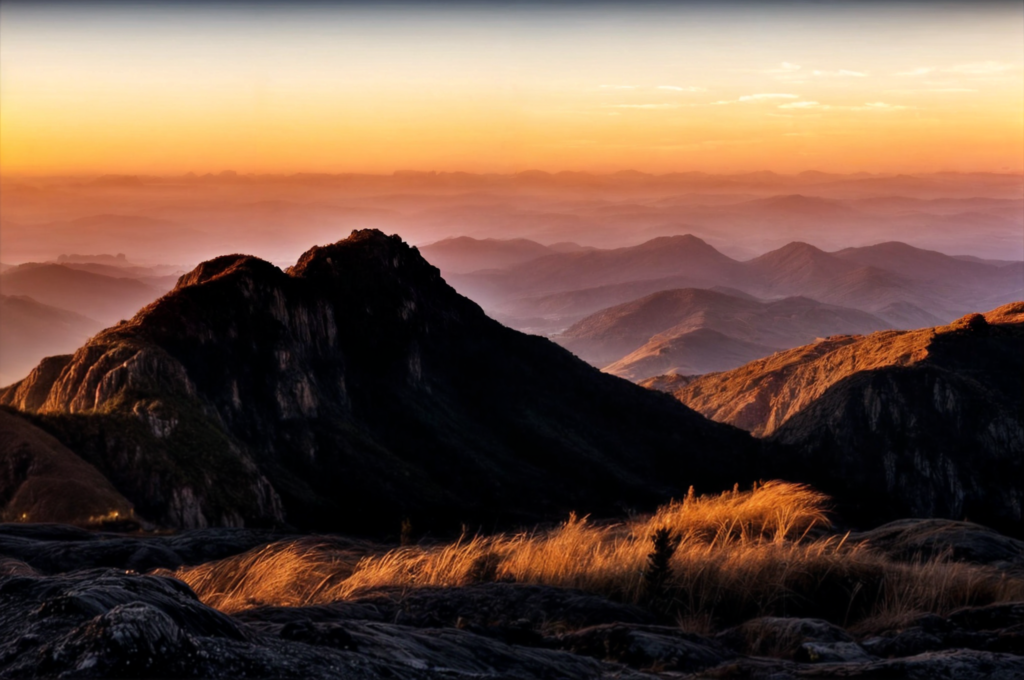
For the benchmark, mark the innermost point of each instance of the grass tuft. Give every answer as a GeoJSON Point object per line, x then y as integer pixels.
{"type": "Point", "coordinates": [705, 561]}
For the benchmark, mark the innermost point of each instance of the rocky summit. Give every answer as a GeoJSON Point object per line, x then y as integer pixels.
{"type": "Point", "coordinates": [353, 390]}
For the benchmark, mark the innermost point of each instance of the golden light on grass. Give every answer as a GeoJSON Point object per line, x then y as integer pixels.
{"type": "Point", "coordinates": [740, 554]}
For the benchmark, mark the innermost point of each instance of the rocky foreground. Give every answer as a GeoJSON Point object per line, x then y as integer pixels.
{"type": "Point", "coordinates": [80, 604]}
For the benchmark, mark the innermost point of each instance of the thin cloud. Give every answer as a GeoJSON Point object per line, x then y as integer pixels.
{"type": "Point", "coordinates": [784, 67]}
{"type": "Point", "coordinates": [980, 68]}
{"type": "Point", "coordinates": [923, 71]}
{"type": "Point", "coordinates": [768, 95]}
{"type": "Point", "coordinates": [841, 73]}
{"type": "Point", "coordinates": [877, 106]}
{"type": "Point", "coordinates": [643, 106]}
{"type": "Point", "coordinates": [756, 98]}
{"type": "Point", "coordinates": [802, 105]}
{"type": "Point", "coordinates": [676, 88]}
{"type": "Point", "coordinates": [933, 89]}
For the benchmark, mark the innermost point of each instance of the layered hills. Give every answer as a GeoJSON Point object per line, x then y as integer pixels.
{"type": "Point", "coordinates": [354, 390]}
{"type": "Point", "coordinates": [897, 423]}
{"type": "Point", "coordinates": [31, 330]}
{"type": "Point", "coordinates": [104, 298]}
{"type": "Point", "coordinates": [645, 337]}
{"type": "Point", "coordinates": [463, 254]}
{"type": "Point", "coordinates": [904, 286]}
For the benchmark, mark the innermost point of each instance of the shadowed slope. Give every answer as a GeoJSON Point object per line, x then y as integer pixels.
{"type": "Point", "coordinates": [42, 481]}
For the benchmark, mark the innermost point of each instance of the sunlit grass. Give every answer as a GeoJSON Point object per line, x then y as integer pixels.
{"type": "Point", "coordinates": [740, 554]}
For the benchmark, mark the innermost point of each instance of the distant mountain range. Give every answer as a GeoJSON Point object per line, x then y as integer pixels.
{"type": "Point", "coordinates": [31, 330]}
{"type": "Point", "coordinates": [463, 254]}
{"type": "Point", "coordinates": [888, 285]}
{"type": "Point", "coordinates": [654, 335]}
{"type": "Point", "coordinates": [97, 296]}
{"type": "Point", "coordinates": [51, 308]}
{"type": "Point", "coordinates": [352, 391]}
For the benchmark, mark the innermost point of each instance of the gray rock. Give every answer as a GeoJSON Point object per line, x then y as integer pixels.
{"type": "Point", "coordinates": [948, 665]}
{"type": "Point", "coordinates": [909, 539]}
{"type": "Point", "coordinates": [831, 652]}
{"type": "Point", "coordinates": [647, 647]}
{"type": "Point", "coordinates": [106, 623]}
{"type": "Point", "coordinates": [781, 637]}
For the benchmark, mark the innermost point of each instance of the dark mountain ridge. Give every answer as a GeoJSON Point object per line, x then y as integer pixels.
{"type": "Point", "coordinates": [356, 389]}
{"type": "Point", "coordinates": [924, 423]}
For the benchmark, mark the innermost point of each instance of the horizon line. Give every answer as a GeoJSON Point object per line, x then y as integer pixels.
{"type": "Point", "coordinates": [535, 172]}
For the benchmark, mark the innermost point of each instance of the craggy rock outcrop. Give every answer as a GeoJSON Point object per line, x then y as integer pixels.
{"type": "Point", "coordinates": [996, 628]}
{"type": "Point", "coordinates": [357, 389]}
{"type": "Point", "coordinates": [661, 648]}
{"type": "Point", "coordinates": [923, 423]}
{"type": "Point", "coordinates": [105, 623]}
{"type": "Point", "coordinates": [952, 665]}
{"type": "Point", "coordinates": [923, 539]}
{"type": "Point", "coordinates": [55, 548]}
{"type": "Point", "coordinates": [504, 610]}
{"type": "Point", "coordinates": [41, 480]}
{"type": "Point", "coordinates": [792, 638]}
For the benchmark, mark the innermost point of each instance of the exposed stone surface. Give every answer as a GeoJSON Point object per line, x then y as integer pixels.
{"type": "Point", "coordinates": [782, 637]}
{"type": "Point", "coordinates": [909, 539]}
{"type": "Point", "coordinates": [105, 623]}
{"type": "Point", "coordinates": [948, 665]}
{"type": "Point", "coordinates": [52, 549]}
{"type": "Point", "coordinates": [658, 648]}
{"type": "Point", "coordinates": [495, 609]}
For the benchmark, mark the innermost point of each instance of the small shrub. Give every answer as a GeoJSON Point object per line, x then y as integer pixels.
{"type": "Point", "coordinates": [658, 570]}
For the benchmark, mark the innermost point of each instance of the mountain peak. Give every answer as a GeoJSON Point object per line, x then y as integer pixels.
{"type": "Point", "coordinates": [363, 249]}
{"type": "Point", "coordinates": [221, 266]}
{"type": "Point", "coordinates": [793, 251]}
{"type": "Point", "coordinates": [353, 390]}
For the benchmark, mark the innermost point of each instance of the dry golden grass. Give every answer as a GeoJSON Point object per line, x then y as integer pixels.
{"type": "Point", "coordinates": [739, 555]}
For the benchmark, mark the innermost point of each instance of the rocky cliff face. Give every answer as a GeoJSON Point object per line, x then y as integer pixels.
{"type": "Point", "coordinates": [353, 390]}
{"type": "Point", "coordinates": [923, 423]}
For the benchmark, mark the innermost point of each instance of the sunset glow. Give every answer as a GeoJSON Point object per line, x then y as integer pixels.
{"type": "Point", "coordinates": [161, 88]}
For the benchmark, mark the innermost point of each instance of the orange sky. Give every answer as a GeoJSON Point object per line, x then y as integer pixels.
{"type": "Point", "coordinates": [170, 88]}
